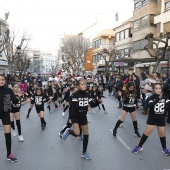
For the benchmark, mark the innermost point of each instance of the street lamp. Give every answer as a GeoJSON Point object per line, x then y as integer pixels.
{"type": "Point", "coordinates": [105, 53]}
{"type": "Point", "coordinates": [19, 60]}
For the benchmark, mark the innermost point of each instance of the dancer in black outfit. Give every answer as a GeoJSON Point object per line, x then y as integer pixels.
{"type": "Point", "coordinates": [31, 105]}
{"type": "Point", "coordinates": [99, 93]}
{"type": "Point", "coordinates": [59, 94]}
{"type": "Point", "coordinates": [129, 105]}
{"type": "Point", "coordinates": [6, 97]}
{"type": "Point", "coordinates": [80, 102]}
{"type": "Point", "coordinates": [38, 99]}
{"type": "Point", "coordinates": [16, 112]}
{"type": "Point", "coordinates": [69, 123]}
{"type": "Point", "coordinates": [66, 101]}
{"type": "Point", "coordinates": [157, 104]}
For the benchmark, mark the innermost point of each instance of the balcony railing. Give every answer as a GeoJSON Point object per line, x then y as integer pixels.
{"type": "Point", "coordinates": [3, 63]}
{"type": "Point", "coordinates": [107, 46]}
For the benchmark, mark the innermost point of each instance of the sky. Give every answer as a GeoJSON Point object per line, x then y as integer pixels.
{"type": "Point", "coordinates": [46, 20]}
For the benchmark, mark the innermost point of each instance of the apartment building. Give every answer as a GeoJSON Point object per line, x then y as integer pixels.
{"type": "Point", "coordinates": [163, 20]}
{"type": "Point", "coordinates": [123, 46]}
{"type": "Point", "coordinates": [104, 40]}
{"type": "Point", "coordinates": [41, 63]}
{"type": "Point", "coordinates": [143, 17]}
{"type": "Point", "coordinates": [4, 35]}
{"type": "Point", "coordinates": [101, 26]}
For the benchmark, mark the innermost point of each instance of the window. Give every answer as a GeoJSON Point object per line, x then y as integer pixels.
{"type": "Point", "coordinates": [137, 24]}
{"type": "Point", "coordinates": [145, 2]}
{"type": "Point", "coordinates": [96, 44]}
{"type": "Point", "coordinates": [167, 6]}
{"type": "Point", "coordinates": [144, 21]}
{"type": "Point", "coordinates": [166, 27]}
{"type": "Point", "coordinates": [93, 45]}
{"type": "Point", "coordinates": [126, 50]}
{"type": "Point", "coordinates": [127, 33]}
{"type": "Point", "coordinates": [122, 35]}
{"type": "Point", "coordinates": [96, 58]}
{"type": "Point", "coordinates": [117, 37]}
{"type": "Point", "coordinates": [138, 5]}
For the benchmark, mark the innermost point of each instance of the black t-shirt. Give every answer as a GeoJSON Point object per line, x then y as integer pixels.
{"type": "Point", "coordinates": [38, 100]}
{"type": "Point", "coordinates": [130, 100]}
{"type": "Point", "coordinates": [93, 94]}
{"type": "Point", "coordinates": [157, 106]}
{"type": "Point", "coordinates": [79, 101]}
{"type": "Point", "coordinates": [16, 107]}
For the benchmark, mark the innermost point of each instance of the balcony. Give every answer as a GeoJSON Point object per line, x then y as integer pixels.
{"type": "Point", "coordinates": [3, 63]}
{"type": "Point", "coordinates": [107, 46]}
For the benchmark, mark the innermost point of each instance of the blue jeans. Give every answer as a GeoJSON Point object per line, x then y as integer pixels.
{"type": "Point", "coordinates": [120, 103]}
{"type": "Point", "coordinates": [145, 104]}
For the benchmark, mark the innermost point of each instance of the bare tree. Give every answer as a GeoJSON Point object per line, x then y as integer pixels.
{"type": "Point", "coordinates": [24, 64]}
{"type": "Point", "coordinates": [4, 40]}
{"type": "Point", "coordinates": [108, 55]}
{"type": "Point", "coordinates": [159, 52]}
{"type": "Point", "coordinates": [12, 56]}
{"type": "Point", "coordinates": [75, 48]}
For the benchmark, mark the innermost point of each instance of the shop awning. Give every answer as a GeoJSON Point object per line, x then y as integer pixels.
{"type": "Point", "coordinates": [129, 59]}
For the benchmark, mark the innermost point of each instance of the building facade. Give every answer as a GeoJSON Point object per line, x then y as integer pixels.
{"type": "Point", "coordinates": [104, 40]}
{"type": "Point", "coordinates": [163, 20]}
{"type": "Point", "coordinates": [124, 45]}
{"type": "Point", "coordinates": [41, 63]}
{"type": "Point", "coordinates": [143, 18]}
{"type": "Point", "coordinates": [4, 36]}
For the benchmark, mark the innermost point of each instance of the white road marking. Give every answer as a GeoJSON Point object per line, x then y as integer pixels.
{"type": "Point", "coordinates": [121, 141]}
{"type": "Point", "coordinates": [93, 111]}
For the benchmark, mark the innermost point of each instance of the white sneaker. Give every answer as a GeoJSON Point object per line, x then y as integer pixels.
{"type": "Point", "coordinates": [105, 112]}
{"type": "Point", "coordinates": [21, 139]}
{"type": "Point", "coordinates": [14, 133]}
{"type": "Point", "coordinates": [120, 125]}
{"type": "Point", "coordinates": [63, 114]}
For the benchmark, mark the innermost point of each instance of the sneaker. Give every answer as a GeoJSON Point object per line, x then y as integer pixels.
{"type": "Point", "coordinates": [137, 149]}
{"type": "Point", "coordinates": [56, 108]}
{"type": "Point", "coordinates": [114, 132]}
{"type": "Point", "coordinates": [86, 156]}
{"type": "Point", "coordinates": [43, 126]}
{"type": "Point", "coordinates": [120, 125]}
{"type": "Point", "coordinates": [66, 134]}
{"type": "Point", "coordinates": [166, 152]}
{"type": "Point", "coordinates": [50, 111]}
{"type": "Point", "coordinates": [14, 133]}
{"type": "Point", "coordinates": [137, 134]}
{"type": "Point", "coordinates": [133, 127]}
{"type": "Point", "coordinates": [63, 114]}
{"type": "Point", "coordinates": [12, 158]}
{"type": "Point", "coordinates": [105, 112]}
{"type": "Point", "coordinates": [27, 116]}
{"type": "Point", "coordinates": [81, 138]}
{"type": "Point", "coordinates": [21, 139]}
{"type": "Point", "coordinates": [60, 135]}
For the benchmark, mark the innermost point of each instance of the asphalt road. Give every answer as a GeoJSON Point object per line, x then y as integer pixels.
{"type": "Point", "coordinates": [43, 150]}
